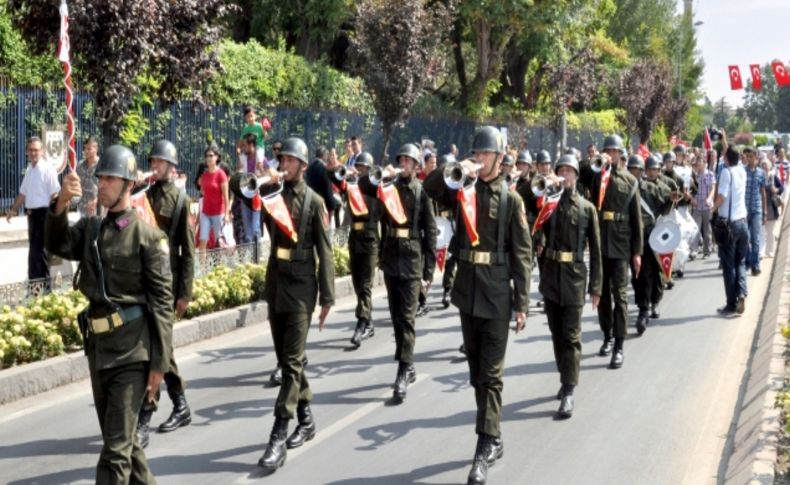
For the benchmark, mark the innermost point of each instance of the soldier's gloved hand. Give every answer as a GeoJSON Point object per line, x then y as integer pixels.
{"type": "Point", "coordinates": [154, 381]}
{"type": "Point", "coordinates": [322, 317]}
{"type": "Point", "coordinates": [521, 321]}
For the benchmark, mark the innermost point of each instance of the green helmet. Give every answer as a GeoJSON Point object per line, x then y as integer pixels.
{"type": "Point", "coordinates": [508, 160]}
{"type": "Point", "coordinates": [165, 150]}
{"type": "Point", "coordinates": [636, 161]}
{"type": "Point", "coordinates": [488, 139]}
{"type": "Point", "coordinates": [524, 157]}
{"type": "Point", "coordinates": [567, 161]}
{"type": "Point", "coordinates": [669, 157]}
{"type": "Point", "coordinates": [613, 142]}
{"type": "Point", "coordinates": [294, 147]}
{"type": "Point", "coordinates": [117, 161]}
{"type": "Point", "coordinates": [364, 159]}
{"type": "Point", "coordinates": [680, 149]}
{"type": "Point", "coordinates": [543, 157]}
{"type": "Point", "coordinates": [653, 162]}
{"type": "Point", "coordinates": [410, 150]}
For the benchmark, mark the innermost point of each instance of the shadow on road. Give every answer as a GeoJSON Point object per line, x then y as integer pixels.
{"type": "Point", "coordinates": [418, 475]}
{"type": "Point", "coordinates": [86, 445]}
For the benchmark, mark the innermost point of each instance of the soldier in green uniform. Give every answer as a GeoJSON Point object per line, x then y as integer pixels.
{"type": "Point", "coordinates": [524, 168]}
{"type": "Point", "coordinates": [124, 272]}
{"type": "Point", "coordinates": [572, 226]}
{"type": "Point", "coordinates": [297, 272]}
{"type": "Point", "coordinates": [483, 292]}
{"type": "Point", "coordinates": [363, 247]}
{"type": "Point", "coordinates": [655, 200]}
{"type": "Point", "coordinates": [408, 257]}
{"type": "Point", "coordinates": [621, 241]}
{"type": "Point", "coordinates": [451, 261]}
{"type": "Point", "coordinates": [534, 201]}
{"type": "Point", "coordinates": [171, 210]}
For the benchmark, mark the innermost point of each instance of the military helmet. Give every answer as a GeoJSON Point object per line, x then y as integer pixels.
{"type": "Point", "coordinates": [613, 142]}
{"type": "Point", "coordinates": [568, 161]}
{"type": "Point", "coordinates": [165, 150]}
{"type": "Point", "coordinates": [543, 157]}
{"type": "Point", "coordinates": [636, 161]}
{"type": "Point", "coordinates": [294, 147]}
{"type": "Point", "coordinates": [669, 156]}
{"type": "Point", "coordinates": [117, 161]}
{"type": "Point", "coordinates": [410, 150]}
{"type": "Point", "coordinates": [488, 139]}
{"type": "Point", "coordinates": [679, 149]}
{"type": "Point", "coordinates": [524, 157]}
{"type": "Point", "coordinates": [653, 162]}
{"type": "Point", "coordinates": [508, 160]}
{"type": "Point", "coordinates": [365, 159]}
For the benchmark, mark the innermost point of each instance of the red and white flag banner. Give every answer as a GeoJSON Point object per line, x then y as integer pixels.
{"type": "Point", "coordinates": [64, 56]}
{"type": "Point", "coordinates": [276, 208]}
{"type": "Point", "coordinates": [735, 78]}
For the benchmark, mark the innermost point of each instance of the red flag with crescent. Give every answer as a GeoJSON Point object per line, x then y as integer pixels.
{"type": "Point", "coordinates": [467, 197]}
{"type": "Point", "coordinates": [441, 257]}
{"type": "Point", "coordinates": [757, 78]}
{"type": "Point", "coordinates": [356, 201]}
{"type": "Point", "coordinates": [605, 176]}
{"type": "Point", "coordinates": [780, 72]}
{"type": "Point", "coordinates": [142, 206]}
{"type": "Point", "coordinates": [389, 195]}
{"type": "Point", "coordinates": [665, 261]}
{"type": "Point", "coordinates": [735, 78]}
{"type": "Point", "coordinates": [276, 208]}
{"type": "Point", "coordinates": [550, 203]}
{"type": "Point", "coordinates": [644, 152]}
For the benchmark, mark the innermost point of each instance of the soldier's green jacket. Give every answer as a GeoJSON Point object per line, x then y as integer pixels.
{"type": "Point", "coordinates": [565, 283]}
{"type": "Point", "coordinates": [656, 195]}
{"type": "Point", "coordinates": [136, 262]}
{"type": "Point", "coordinates": [622, 238]}
{"type": "Point", "coordinates": [672, 180]}
{"type": "Point", "coordinates": [367, 240]}
{"type": "Point", "coordinates": [413, 257]}
{"type": "Point", "coordinates": [292, 286]}
{"type": "Point", "coordinates": [484, 291]}
{"type": "Point", "coordinates": [163, 197]}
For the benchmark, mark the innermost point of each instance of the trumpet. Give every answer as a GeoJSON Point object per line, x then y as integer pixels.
{"type": "Point", "coordinates": [597, 163]}
{"type": "Point", "coordinates": [512, 177]}
{"type": "Point", "coordinates": [377, 175]}
{"type": "Point", "coordinates": [457, 176]}
{"type": "Point", "coordinates": [340, 173]}
{"type": "Point", "coordinates": [548, 186]}
{"type": "Point", "coordinates": [253, 184]}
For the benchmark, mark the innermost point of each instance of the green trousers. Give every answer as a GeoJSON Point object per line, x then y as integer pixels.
{"type": "Point", "coordinates": [363, 271]}
{"type": "Point", "coordinates": [403, 295]}
{"type": "Point", "coordinates": [613, 308]}
{"type": "Point", "coordinates": [485, 341]}
{"type": "Point", "coordinates": [289, 332]}
{"type": "Point", "coordinates": [118, 394]}
{"type": "Point", "coordinates": [649, 287]}
{"type": "Point", "coordinates": [175, 386]}
{"type": "Point", "coordinates": [565, 323]}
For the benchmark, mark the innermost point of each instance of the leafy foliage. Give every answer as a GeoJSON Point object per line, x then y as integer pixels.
{"type": "Point", "coordinates": [17, 66]}
{"type": "Point", "coordinates": [574, 82]}
{"type": "Point", "coordinates": [769, 108]}
{"type": "Point", "coordinates": [643, 91]}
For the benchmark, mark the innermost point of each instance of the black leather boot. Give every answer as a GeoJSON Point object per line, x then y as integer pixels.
{"type": "Point", "coordinates": [356, 339]}
{"type": "Point", "coordinates": [305, 431]}
{"type": "Point", "coordinates": [446, 298]}
{"type": "Point", "coordinates": [181, 415]}
{"type": "Point", "coordinates": [276, 377]}
{"type": "Point", "coordinates": [566, 405]}
{"type": "Point", "coordinates": [143, 427]}
{"type": "Point", "coordinates": [276, 452]}
{"type": "Point", "coordinates": [606, 348]}
{"type": "Point", "coordinates": [653, 312]}
{"type": "Point", "coordinates": [488, 451]}
{"type": "Point", "coordinates": [369, 331]}
{"type": "Point", "coordinates": [617, 359]}
{"type": "Point", "coordinates": [641, 322]}
{"type": "Point", "coordinates": [406, 376]}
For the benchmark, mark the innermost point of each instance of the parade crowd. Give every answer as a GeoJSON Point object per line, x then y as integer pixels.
{"type": "Point", "coordinates": [586, 225]}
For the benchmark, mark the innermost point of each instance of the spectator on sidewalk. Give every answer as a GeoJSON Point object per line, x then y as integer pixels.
{"type": "Point", "coordinates": [782, 167]}
{"type": "Point", "coordinates": [317, 178]}
{"type": "Point", "coordinates": [39, 186]}
{"type": "Point", "coordinates": [356, 149]}
{"type": "Point", "coordinates": [775, 207]}
{"type": "Point", "coordinates": [215, 209]}
{"type": "Point", "coordinates": [756, 207]}
{"type": "Point", "coordinates": [250, 208]}
{"type": "Point", "coordinates": [701, 203]}
{"type": "Point", "coordinates": [87, 205]}
{"type": "Point", "coordinates": [252, 127]}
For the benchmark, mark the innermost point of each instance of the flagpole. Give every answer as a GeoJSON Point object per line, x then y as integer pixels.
{"type": "Point", "coordinates": [64, 54]}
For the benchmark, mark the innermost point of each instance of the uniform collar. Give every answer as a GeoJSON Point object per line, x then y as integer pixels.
{"type": "Point", "coordinates": [121, 219]}
{"type": "Point", "coordinates": [297, 188]}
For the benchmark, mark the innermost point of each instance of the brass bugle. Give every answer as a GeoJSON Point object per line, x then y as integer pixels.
{"type": "Point", "coordinates": [456, 175]}
{"type": "Point", "coordinates": [253, 184]}
{"type": "Point", "coordinates": [376, 175]}
{"type": "Point", "coordinates": [542, 185]}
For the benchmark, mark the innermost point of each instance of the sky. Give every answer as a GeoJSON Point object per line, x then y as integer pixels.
{"type": "Point", "coordinates": [739, 32]}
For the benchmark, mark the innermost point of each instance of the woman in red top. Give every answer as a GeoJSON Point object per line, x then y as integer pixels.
{"type": "Point", "coordinates": [216, 208]}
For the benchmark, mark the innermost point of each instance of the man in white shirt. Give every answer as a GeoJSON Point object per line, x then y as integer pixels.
{"type": "Point", "coordinates": [39, 186]}
{"type": "Point", "coordinates": [731, 231]}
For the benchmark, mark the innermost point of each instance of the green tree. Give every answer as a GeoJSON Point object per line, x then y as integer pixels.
{"type": "Point", "coordinates": [17, 66]}
{"type": "Point", "coordinates": [644, 92]}
{"type": "Point", "coordinates": [769, 108]}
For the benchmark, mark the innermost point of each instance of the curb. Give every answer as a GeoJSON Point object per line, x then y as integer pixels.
{"type": "Point", "coordinates": [37, 377]}
{"type": "Point", "coordinates": [751, 451]}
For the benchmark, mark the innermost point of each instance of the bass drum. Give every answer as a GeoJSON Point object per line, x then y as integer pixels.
{"type": "Point", "coordinates": [665, 236]}
{"type": "Point", "coordinates": [445, 228]}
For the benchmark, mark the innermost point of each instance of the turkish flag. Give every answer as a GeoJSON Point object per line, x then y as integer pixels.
{"type": "Point", "coordinates": [735, 78]}
{"type": "Point", "coordinates": [644, 152]}
{"type": "Point", "coordinates": [467, 197]}
{"type": "Point", "coordinates": [389, 195]}
{"type": "Point", "coordinates": [441, 257]}
{"type": "Point", "coordinates": [757, 80]}
{"type": "Point", "coordinates": [665, 261]}
{"type": "Point", "coordinates": [780, 72]}
{"type": "Point", "coordinates": [706, 142]}
{"type": "Point", "coordinates": [355, 200]}
{"type": "Point", "coordinates": [276, 207]}
{"type": "Point", "coordinates": [549, 205]}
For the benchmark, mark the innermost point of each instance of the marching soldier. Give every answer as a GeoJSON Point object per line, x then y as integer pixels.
{"type": "Point", "coordinates": [654, 201]}
{"type": "Point", "coordinates": [408, 257]}
{"type": "Point", "coordinates": [124, 272]}
{"type": "Point", "coordinates": [171, 210]}
{"type": "Point", "coordinates": [621, 240]}
{"type": "Point", "coordinates": [363, 246]}
{"type": "Point", "coordinates": [572, 226]}
{"type": "Point", "coordinates": [491, 255]}
{"type": "Point", "coordinates": [506, 168]}
{"type": "Point", "coordinates": [451, 261]}
{"type": "Point", "coordinates": [300, 266]}
{"type": "Point", "coordinates": [523, 167]}
{"type": "Point", "coordinates": [533, 202]}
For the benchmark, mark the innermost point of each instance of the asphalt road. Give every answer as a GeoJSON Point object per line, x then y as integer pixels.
{"type": "Point", "coordinates": [663, 418]}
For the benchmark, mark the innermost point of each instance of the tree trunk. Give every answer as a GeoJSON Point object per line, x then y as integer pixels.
{"type": "Point", "coordinates": [513, 76]}
{"type": "Point", "coordinates": [109, 133]}
{"type": "Point", "coordinates": [531, 99]}
{"type": "Point", "coordinates": [460, 64]}
{"type": "Point", "coordinates": [386, 131]}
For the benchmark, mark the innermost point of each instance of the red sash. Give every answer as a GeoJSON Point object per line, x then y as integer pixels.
{"type": "Point", "coordinates": [276, 207]}
{"type": "Point", "coordinates": [547, 209]}
{"type": "Point", "coordinates": [143, 208]}
{"type": "Point", "coordinates": [391, 198]}
{"type": "Point", "coordinates": [467, 197]}
{"type": "Point", "coordinates": [605, 175]}
{"type": "Point", "coordinates": [356, 201]}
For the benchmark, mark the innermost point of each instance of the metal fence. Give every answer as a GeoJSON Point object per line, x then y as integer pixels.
{"type": "Point", "coordinates": [25, 111]}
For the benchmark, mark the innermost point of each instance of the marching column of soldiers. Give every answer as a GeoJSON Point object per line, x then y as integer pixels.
{"type": "Point", "coordinates": [584, 228]}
